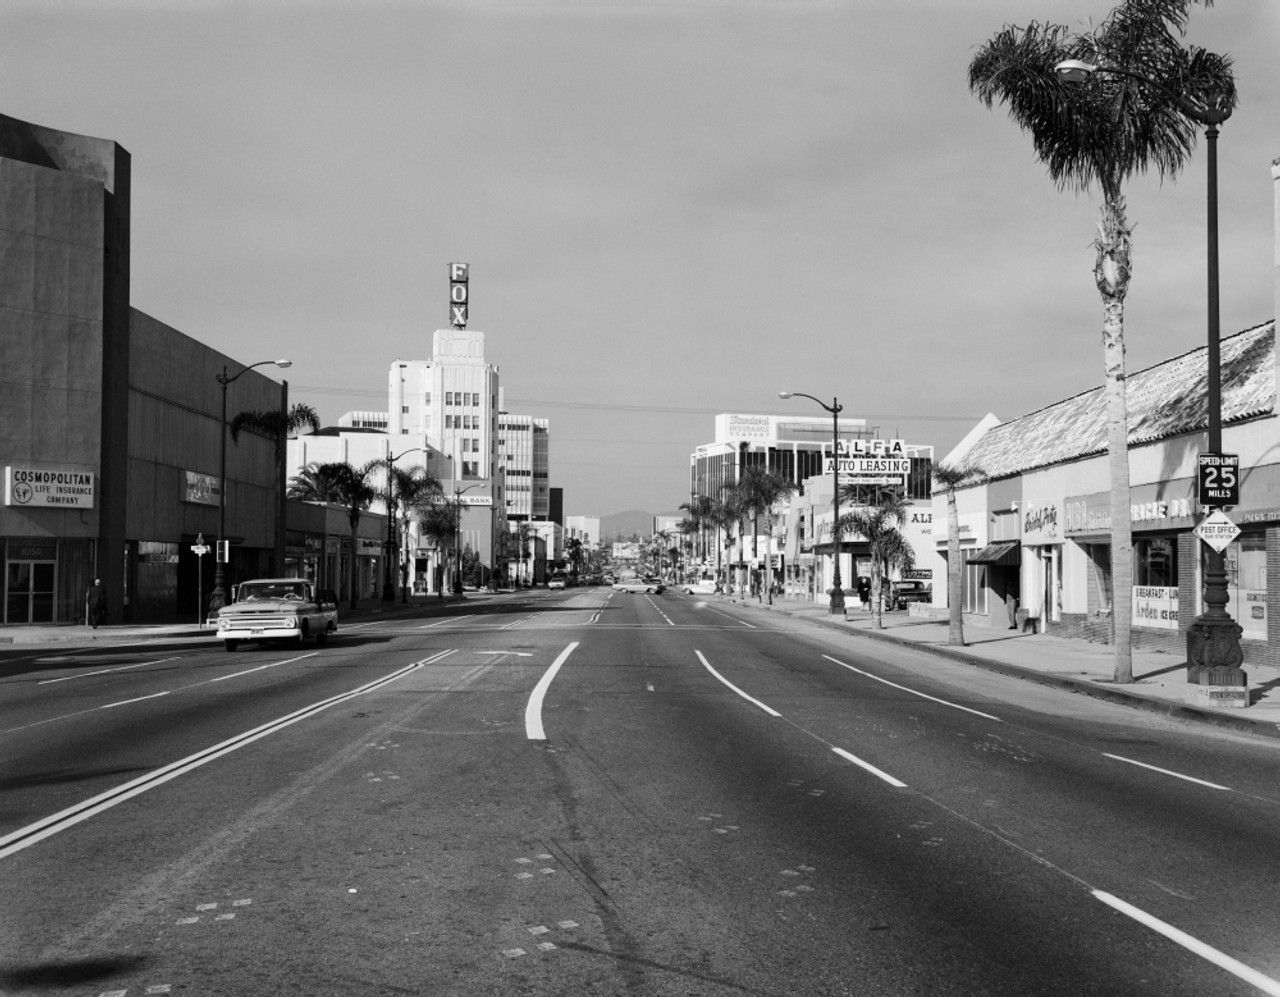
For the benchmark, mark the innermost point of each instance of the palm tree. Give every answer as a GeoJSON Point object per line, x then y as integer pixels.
{"type": "Point", "coordinates": [437, 517]}
{"type": "Point", "coordinates": [573, 547]}
{"type": "Point", "coordinates": [407, 488]}
{"type": "Point", "coordinates": [311, 485]}
{"type": "Point", "coordinates": [733, 509]}
{"type": "Point", "coordinates": [699, 509]}
{"type": "Point", "coordinates": [277, 425]}
{"type": "Point", "coordinates": [762, 490]}
{"type": "Point", "coordinates": [352, 488]}
{"type": "Point", "coordinates": [1099, 134]}
{"type": "Point", "coordinates": [947, 478]}
{"type": "Point", "coordinates": [722, 516]}
{"type": "Point", "coordinates": [878, 525]}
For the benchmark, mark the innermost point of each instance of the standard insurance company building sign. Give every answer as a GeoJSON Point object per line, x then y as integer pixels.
{"type": "Point", "coordinates": [33, 487]}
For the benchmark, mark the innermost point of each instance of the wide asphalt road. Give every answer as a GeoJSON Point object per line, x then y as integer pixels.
{"type": "Point", "coordinates": [587, 792]}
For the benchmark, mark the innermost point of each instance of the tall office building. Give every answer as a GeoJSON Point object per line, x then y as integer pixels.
{"type": "Point", "coordinates": [452, 400]}
{"type": "Point", "coordinates": [524, 443]}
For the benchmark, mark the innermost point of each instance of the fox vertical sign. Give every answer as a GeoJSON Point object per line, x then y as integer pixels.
{"type": "Point", "coordinates": [458, 294]}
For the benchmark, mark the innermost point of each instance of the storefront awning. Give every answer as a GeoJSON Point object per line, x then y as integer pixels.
{"type": "Point", "coordinates": [1002, 553]}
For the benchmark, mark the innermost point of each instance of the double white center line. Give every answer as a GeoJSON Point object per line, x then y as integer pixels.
{"type": "Point", "coordinates": [27, 836]}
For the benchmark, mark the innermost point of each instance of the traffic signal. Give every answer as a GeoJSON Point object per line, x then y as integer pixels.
{"type": "Point", "coordinates": [224, 551]}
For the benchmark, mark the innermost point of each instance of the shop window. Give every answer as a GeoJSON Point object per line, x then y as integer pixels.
{"type": "Point", "coordinates": [1246, 562]}
{"type": "Point", "coordinates": [1100, 576]}
{"type": "Point", "coordinates": [974, 582]}
{"type": "Point", "coordinates": [1155, 562]}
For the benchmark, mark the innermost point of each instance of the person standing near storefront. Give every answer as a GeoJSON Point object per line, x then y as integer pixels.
{"type": "Point", "coordinates": [95, 601]}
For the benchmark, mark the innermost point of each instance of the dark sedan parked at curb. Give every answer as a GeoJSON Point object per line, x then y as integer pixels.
{"type": "Point", "coordinates": [908, 592]}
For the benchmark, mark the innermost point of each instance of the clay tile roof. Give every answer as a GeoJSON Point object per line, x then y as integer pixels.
{"type": "Point", "coordinates": [1166, 400]}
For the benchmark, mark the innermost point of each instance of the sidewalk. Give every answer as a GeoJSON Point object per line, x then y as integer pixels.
{"type": "Point", "coordinates": [1074, 665]}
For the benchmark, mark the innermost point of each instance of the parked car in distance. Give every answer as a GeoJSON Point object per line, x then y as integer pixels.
{"type": "Point", "coordinates": [911, 591]}
{"type": "Point", "coordinates": [282, 609]}
{"type": "Point", "coordinates": [557, 582]}
{"type": "Point", "coordinates": [635, 585]}
{"type": "Point", "coordinates": [701, 586]}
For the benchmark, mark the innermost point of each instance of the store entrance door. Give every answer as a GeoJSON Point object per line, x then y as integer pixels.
{"type": "Point", "coordinates": [29, 591]}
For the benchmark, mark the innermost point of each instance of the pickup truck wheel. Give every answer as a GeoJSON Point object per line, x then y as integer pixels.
{"type": "Point", "coordinates": [232, 644]}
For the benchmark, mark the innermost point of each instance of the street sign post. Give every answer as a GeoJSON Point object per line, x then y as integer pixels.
{"type": "Point", "coordinates": [1217, 530]}
{"type": "Point", "coordinates": [1218, 480]}
{"type": "Point", "coordinates": [200, 549]}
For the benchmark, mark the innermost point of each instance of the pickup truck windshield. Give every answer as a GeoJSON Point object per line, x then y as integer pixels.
{"type": "Point", "coordinates": [253, 593]}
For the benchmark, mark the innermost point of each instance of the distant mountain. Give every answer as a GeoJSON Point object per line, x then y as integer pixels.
{"type": "Point", "coordinates": [625, 524]}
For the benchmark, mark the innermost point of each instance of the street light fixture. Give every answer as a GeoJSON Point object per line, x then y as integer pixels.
{"type": "Point", "coordinates": [388, 585]}
{"type": "Point", "coordinates": [1214, 638]}
{"type": "Point", "coordinates": [218, 597]}
{"type": "Point", "coordinates": [835, 408]}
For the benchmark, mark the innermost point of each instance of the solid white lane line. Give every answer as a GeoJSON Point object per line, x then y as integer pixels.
{"type": "Point", "coordinates": [107, 671]}
{"type": "Point", "coordinates": [1176, 775]}
{"type": "Point", "coordinates": [705, 664]}
{"type": "Point", "coordinates": [47, 827]}
{"type": "Point", "coordinates": [533, 728]}
{"type": "Point", "coordinates": [870, 768]}
{"type": "Point", "coordinates": [1220, 959]}
{"type": "Point", "coordinates": [903, 688]}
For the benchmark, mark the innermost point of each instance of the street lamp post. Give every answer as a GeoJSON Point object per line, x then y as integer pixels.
{"type": "Point", "coordinates": [1213, 640]}
{"type": "Point", "coordinates": [389, 585]}
{"type": "Point", "coordinates": [835, 408]}
{"type": "Point", "coordinates": [218, 597]}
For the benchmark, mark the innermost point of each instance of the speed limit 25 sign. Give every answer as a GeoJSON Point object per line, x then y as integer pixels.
{"type": "Point", "coordinates": [1218, 481]}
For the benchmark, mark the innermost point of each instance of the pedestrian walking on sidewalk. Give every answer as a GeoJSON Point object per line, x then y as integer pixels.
{"type": "Point", "coordinates": [95, 602]}
{"type": "Point", "coordinates": [864, 592]}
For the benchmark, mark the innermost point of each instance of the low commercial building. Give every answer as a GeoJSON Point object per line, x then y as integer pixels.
{"type": "Point", "coordinates": [1035, 535]}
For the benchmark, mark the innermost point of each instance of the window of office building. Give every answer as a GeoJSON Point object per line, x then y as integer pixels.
{"type": "Point", "coordinates": [448, 397]}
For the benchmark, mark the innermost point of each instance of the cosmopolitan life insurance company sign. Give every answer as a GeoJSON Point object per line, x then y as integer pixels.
{"type": "Point", "coordinates": [29, 487]}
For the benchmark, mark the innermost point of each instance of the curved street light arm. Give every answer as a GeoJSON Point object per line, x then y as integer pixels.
{"type": "Point", "coordinates": [1076, 71]}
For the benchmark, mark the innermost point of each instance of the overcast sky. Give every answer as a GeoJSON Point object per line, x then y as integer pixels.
{"type": "Point", "coordinates": [670, 209]}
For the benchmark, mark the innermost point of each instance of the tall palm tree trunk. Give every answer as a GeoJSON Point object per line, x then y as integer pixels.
{"type": "Point", "coordinates": [955, 574]}
{"type": "Point", "coordinates": [768, 555]}
{"type": "Point", "coordinates": [1111, 272]}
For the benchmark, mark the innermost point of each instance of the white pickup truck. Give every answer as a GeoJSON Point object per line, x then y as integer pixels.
{"type": "Point", "coordinates": [284, 609]}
